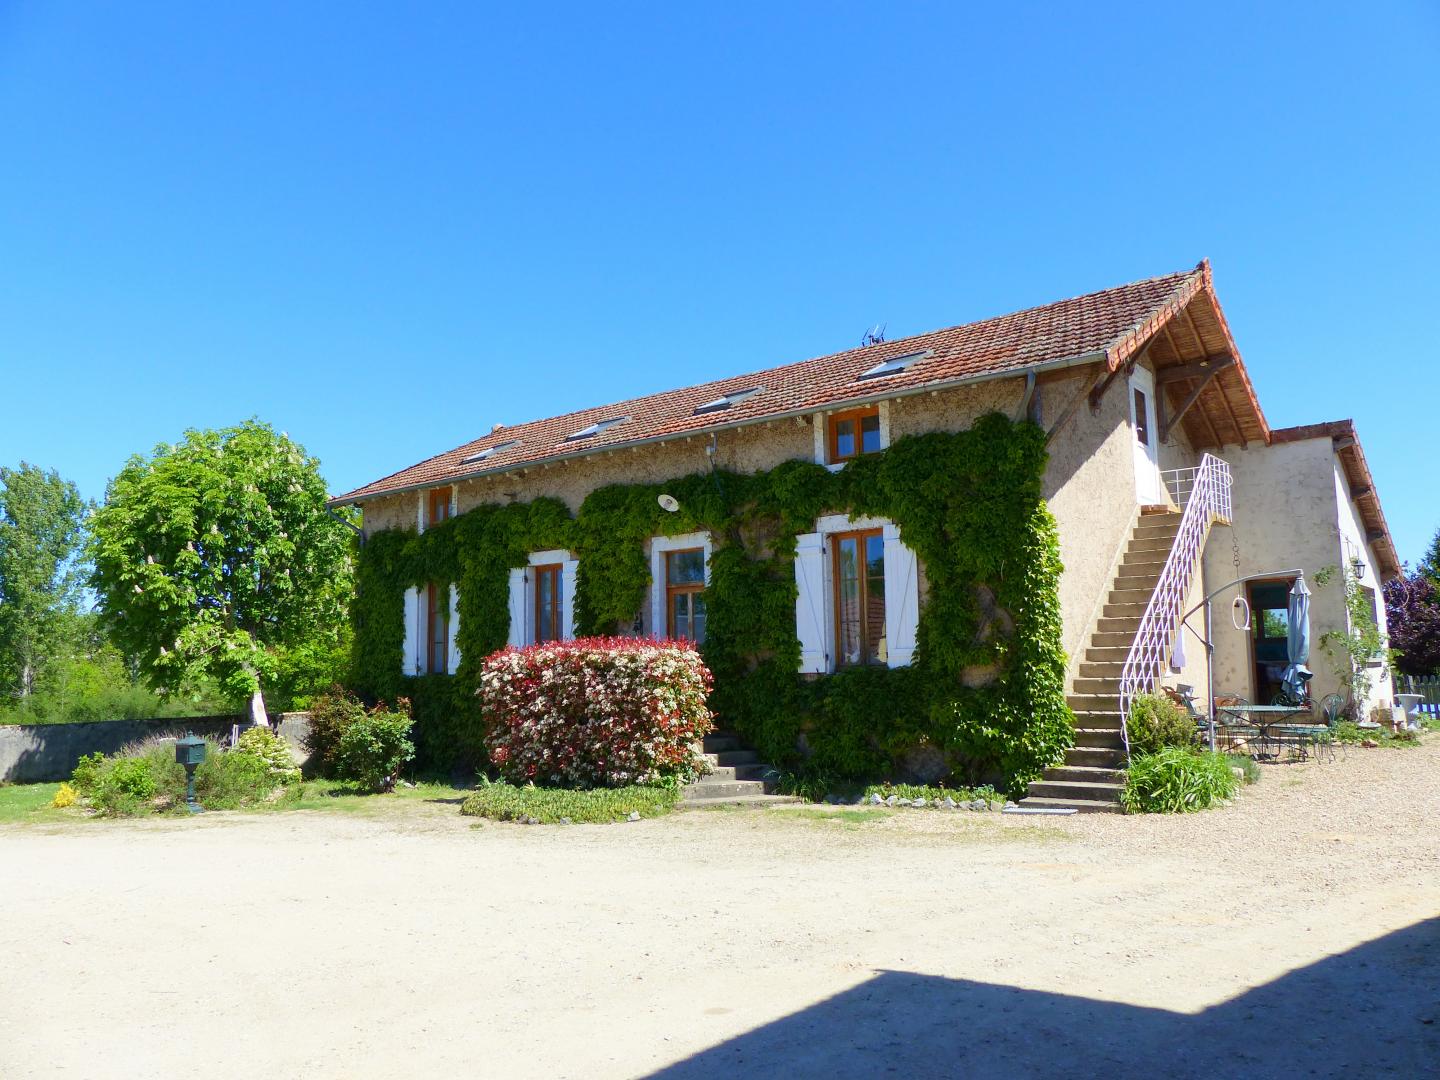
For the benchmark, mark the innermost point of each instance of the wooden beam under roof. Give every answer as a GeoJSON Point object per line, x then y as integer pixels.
{"type": "Point", "coordinates": [1204, 414]}
{"type": "Point", "coordinates": [1194, 370]}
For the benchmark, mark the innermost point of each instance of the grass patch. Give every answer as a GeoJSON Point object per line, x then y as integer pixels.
{"type": "Point", "coordinates": [554, 806]}
{"type": "Point", "coordinates": [28, 802]}
{"type": "Point", "coordinates": [818, 788]}
{"type": "Point", "coordinates": [1177, 781]}
{"type": "Point", "coordinates": [1247, 765]}
{"type": "Point", "coordinates": [349, 797]}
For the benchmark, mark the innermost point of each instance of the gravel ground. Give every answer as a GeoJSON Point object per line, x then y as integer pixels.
{"type": "Point", "coordinates": [1294, 933]}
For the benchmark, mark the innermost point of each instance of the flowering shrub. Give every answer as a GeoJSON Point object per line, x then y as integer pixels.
{"type": "Point", "coordinates": [596, 712]}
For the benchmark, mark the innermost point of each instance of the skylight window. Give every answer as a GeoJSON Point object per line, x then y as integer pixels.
{"type": "Point", "coordinates": [734, 398]}
{"type": "Point", "coordinates": [890, 367]}
{"type": "Point", "coordinates": [490, 451]}
{"type": "Point", "coordinates": [596, 428]}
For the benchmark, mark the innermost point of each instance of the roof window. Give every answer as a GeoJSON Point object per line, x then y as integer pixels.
{"type": "Point", "coordinates": [891, 366]}
{"type": "Point", "coordinates": [596, 428]}
{"type": "Point", "coordinates": [727, 400]}
{"type": "Point", "coordinates": [490, 451]}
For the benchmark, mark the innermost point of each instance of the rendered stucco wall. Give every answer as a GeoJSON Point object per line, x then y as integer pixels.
{"type": "Point", "coordinates": [1287, 515]}
{"type": "Point", "coordinates": [1090, 486]}
{"type": "Point", "coordinates": [1354, 545]}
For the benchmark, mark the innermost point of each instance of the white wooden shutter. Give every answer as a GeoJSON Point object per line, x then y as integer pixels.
{"type": "Point", "coordinates": [567, 598]}
{"type": "Point", "coordinates": [452, 664]}
{"type": "Point", "coordinates": [414, 635]}
{"type": "Point", "coordinates": [902, 598]}
{"type": "Point", "coordinates": [518, 637]}
{"type": "Point", "coordinates": [810, 602]}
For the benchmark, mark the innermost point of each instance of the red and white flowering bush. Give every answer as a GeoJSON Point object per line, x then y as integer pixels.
{"type": "Point", "coordinates": [596, 712]}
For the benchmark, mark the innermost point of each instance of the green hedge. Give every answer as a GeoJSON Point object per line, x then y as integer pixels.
{"type": "Point", "coordinates": [969, 504]}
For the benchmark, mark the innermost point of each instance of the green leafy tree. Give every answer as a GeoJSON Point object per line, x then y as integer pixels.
{"type": "Point", "coordinates": [42, 521]}
{"type": "Point", "coordinates": [216, 556]}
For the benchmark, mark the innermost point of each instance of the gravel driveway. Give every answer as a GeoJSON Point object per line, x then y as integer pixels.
{"type": "Point", "coordinates": [1292, 934]}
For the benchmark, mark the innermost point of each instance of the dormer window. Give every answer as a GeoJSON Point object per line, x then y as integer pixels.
{"type": "Point", "coordinates": [728, 400]}
{"type": "Point", "coordinates": [892, 366]}
{"type": "Point", "coordinates": [490, 451]}
{"type": "Point", "coordinates": [596, 428]}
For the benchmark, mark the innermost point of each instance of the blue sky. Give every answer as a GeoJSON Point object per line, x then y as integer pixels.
{"type": "Point", "coordinates": [385, 228]}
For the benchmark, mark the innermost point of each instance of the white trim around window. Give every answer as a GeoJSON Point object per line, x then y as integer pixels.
{"type": "Point", "coordinates": [822, 438]}
{"type": "Point", "coordinates": [815, 593]}
{"type": "Point", "coordinates": [522, 596]}
{"type": "Point", "coordinates": [659, 545]}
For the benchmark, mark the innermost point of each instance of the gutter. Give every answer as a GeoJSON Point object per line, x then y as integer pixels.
{"type": "Point", "coordinates": [1082, 360]}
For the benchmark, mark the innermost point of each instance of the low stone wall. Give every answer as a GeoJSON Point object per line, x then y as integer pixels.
{"type": "Point", "coordinates": [43, 752]}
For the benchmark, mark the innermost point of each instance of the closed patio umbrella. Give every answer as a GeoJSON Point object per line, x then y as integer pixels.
{"type": "Point", "coordinates": [1297, 639]}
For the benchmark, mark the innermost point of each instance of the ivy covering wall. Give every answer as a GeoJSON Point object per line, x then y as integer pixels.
{"type": "Point", "coordinates": [986, 690]}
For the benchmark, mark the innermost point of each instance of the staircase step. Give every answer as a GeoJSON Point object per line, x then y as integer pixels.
{"type": "Point", "coordinates": [1080, 774]}
{"type": "Point", "coordinates": [1107, 654]}
{"type": "Point", "coordinates": [1141, 544]}
{"type": "Point", "coordinates": [1075, 789]}
{"type": "Point", "coordinates": [1080, 806]}
{"type": "Point", "coordinates": [758, 802]}
{"type": "Point", "coordinates": [733, 757]}
{"type": "Point", "coordinates": [1157, 526]}
{"type": "Point", "coordinates": [1116, 640]}
{"type": "Point", "coordinates": [1123, 611]}
{"type": "Point", "coordinates": [1097, 757]}
{"type": "Point", "coordinates": [1099, 738]}
{"type": "Point", "coordinates": [1103, 669]}
{"type": "Point", "coordinates": [1131, 595]}
{"type": "Point", "coordinates": [1098, 705]}
{"type": "Point", "coordinates": [1099, 687]}
{"type": "Point", "coordinates": [705, 789]}
{"type": "Point", "coordinates": [1139, 572]}
{"type": "Point", "coordinates": [1111, 625]}
{"type": "Point", "coordinates": [754, 771]}
{"type": "Point", "coordinates": [719, 741]}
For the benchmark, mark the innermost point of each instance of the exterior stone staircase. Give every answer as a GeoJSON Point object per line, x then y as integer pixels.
{"type": "Point", "coordinates": [737, 776]}
{"type": "Point", "coordinates": [1093, 773]}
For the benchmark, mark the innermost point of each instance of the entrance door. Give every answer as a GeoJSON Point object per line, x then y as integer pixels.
{"type": "Point", "coordinates": [1147, 449]}
{"type": "Point", "coordinates": [1269, 637]}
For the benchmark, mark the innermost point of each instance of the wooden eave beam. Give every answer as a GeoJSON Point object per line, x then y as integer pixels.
{"type": "Point", "coordinates": [1167, 424]}
{"type": "Point", "coordinates": [1229, 409]}
{"type": "Point", "coordinates": [1097, 392]}
{"type": "Point", "coordinates": [1204, 414]}
{"type": "Point", "coordinates": [1196, 370]}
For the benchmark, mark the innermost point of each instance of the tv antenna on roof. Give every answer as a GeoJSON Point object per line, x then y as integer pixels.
{"type": "Point", "coordinates": [874, 336]}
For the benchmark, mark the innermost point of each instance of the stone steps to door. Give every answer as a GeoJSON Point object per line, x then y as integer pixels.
{"type": "Point", "coordinates": [737, 776]}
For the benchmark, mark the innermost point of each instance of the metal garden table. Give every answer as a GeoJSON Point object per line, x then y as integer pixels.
{"type": "Point", "coordinates": [1270, 722]}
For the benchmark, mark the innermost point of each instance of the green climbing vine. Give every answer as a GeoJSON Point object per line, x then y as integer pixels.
{"type": "Point", "coordinates": [986, 689]}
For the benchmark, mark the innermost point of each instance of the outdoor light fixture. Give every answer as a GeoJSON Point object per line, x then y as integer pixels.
{"type": "Point", "coordinates": [668, 503]}
{"type": "Point", "coordinates": [1357, 566]}
{"type": "Point", "coordinates": [190, 752]}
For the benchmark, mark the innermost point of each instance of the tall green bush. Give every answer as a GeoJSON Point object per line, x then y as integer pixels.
{"type": "Point", "coordinates": [1177, 781]}
{"type": "Point", "coordinates": [1156, 722]}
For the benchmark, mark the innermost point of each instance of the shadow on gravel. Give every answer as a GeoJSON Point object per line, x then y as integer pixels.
{"type": "Point", "coordinates": [1374, 1010]}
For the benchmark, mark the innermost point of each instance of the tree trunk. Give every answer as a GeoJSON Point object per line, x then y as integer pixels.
{"type": "Point", "coordinates": [256, 710]}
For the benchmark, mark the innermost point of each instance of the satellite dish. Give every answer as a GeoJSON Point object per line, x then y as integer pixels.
{"type": "Point", "coordinates": [668, 503]}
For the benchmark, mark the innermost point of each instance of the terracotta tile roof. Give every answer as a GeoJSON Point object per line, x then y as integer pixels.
{"type": "Point", "coordinates": [1362, 484]}
{"type": "Point", "coordinates": [1111, 325]}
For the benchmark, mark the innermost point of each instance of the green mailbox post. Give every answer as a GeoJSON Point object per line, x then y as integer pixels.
{"type": "Point", "coordinates": [190, 752]}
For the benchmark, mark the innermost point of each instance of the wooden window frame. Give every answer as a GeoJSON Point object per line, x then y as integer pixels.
{"type": "Point", "coordinates": [685, 588]}
{"type": "Point", "coordinates": [867, 650]}
{"type": "Point", "coordinates": [437, 611]}
{"type": "Point", "coordinates": [433, 503]}
{"type": "Point", "coordinates": [832, 439]}
{"type": "Point", "coordinates": [557, 604]}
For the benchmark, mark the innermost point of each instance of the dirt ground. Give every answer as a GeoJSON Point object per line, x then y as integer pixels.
{"type": "Point", "coordinates": [1294, 933]}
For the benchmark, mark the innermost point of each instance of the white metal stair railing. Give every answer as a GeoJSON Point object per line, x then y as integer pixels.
{"type": "Point", "coordinates": [1204, 492]}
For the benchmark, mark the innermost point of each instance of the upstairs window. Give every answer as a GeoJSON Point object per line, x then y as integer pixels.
{"type": "Point", "coordinates": [735, 397]}
{"type": "Point", "coordinates": [891, 367]}
{"type": "Point", "coordinates": [437, 505]}
{"type": "Point", "coordinates": [852, 433]}
{"type": "Point", "coordinates": [685, 594]}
